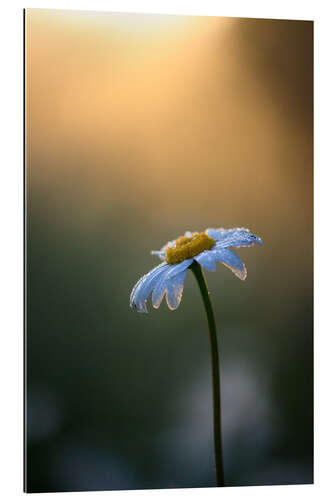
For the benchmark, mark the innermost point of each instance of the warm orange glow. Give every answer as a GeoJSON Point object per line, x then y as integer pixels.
{"type": "Point", "coordinates": [173, 117]}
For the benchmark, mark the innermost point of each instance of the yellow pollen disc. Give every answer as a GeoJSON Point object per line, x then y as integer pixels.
{"type": "Point", "coordinates": [188, 247]}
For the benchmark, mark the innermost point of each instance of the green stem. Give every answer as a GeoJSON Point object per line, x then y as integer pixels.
{"type": "Point", "coordinates": [197, 271]}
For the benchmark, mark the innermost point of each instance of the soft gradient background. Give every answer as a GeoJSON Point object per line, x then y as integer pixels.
{"type": "Point", "coordinates": [139, 127]}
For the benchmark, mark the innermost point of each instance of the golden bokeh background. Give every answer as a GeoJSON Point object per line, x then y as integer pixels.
{"type": "Point", "coordinates": [139, 127]}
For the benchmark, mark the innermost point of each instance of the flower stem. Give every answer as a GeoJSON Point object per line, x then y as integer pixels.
{"type": "Point", "coordinates": [197, 271]}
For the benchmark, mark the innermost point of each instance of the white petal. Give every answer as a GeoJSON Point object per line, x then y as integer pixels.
{"type": "Point", "coordinates": [162, 286]}
{"type": "Point", "coordinates": [207, 259]}
{"type": "Point", "coordinates": [174, 290]}
{"type": "Point", "coordinates": [237, 237]}
{"type": "Point", "coordinates": [144, 286]}
{"type": "Point", "coordinates": [231, 260]}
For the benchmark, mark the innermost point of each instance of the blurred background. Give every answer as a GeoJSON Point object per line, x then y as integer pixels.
{"type": "Point", "coordinates": [138, 128]}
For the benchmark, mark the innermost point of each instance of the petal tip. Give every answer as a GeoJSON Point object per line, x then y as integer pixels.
{"type": "Point", "coordinates": [241, 274]}
{"type": "Point", "coordinates": [173, 307]}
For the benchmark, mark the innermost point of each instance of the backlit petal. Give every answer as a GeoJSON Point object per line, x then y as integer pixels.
{"type": "Point", "coordinates": [158, 253]}
{"type": "Point", "coordinates": [207, 259]}
{"type": "Point", "coordinates": [231, 260]}
{"type": "Point", "coordinates": [145, 285]}
{"type": "Point", "coordinates": [174, 290]}
{"type": "Point", "coordinates": [162, 286]}
{"type": "Point", "coordinates": [237, 237]}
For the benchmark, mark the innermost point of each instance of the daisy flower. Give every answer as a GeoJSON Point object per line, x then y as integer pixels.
{"type": "Point", "coordinates": [205, 248]}
{"type": "Point", "coordinates": [196, 251]}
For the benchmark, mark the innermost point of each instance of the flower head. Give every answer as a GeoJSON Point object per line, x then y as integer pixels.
{"type": "Point", "coordinates": [206, 248]}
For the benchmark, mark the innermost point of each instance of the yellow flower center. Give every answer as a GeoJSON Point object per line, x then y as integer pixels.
{"type": "Point", "coordinates": [187, 247]}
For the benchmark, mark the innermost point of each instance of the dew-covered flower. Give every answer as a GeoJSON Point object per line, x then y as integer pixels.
{"type": "Point", "coordinates": [206, 248]}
